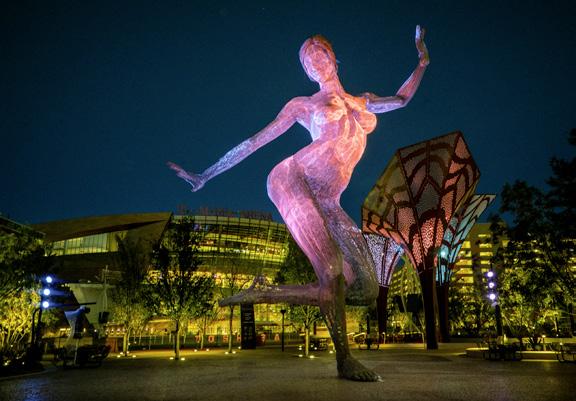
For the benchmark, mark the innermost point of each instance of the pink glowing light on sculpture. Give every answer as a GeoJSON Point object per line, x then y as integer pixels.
{"type": "Point", "coordinates": [306, 189]}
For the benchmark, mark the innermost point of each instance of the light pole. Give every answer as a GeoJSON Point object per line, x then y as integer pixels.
{"type": "Point", "coordinates": [35, 351]}
{"type": "Point", "coordinates": [45, 292]}
{"type": "Point", "coordinates": [493, 296]}
{"type": "Point", "coordinates": [283, 312]}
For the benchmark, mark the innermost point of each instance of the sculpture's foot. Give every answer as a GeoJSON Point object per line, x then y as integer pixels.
{"type": "Point", "coordinates": [351, 369]}
{"type": "Point", "coordinates": [258, 292]}
{"type": "Point", "coordinates": [234, 299]}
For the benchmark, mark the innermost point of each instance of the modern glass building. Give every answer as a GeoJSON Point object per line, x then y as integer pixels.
{"type": "Point", "coordinates": [248, 243]}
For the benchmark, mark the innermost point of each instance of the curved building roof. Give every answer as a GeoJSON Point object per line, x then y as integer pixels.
{"type": "Point", "coordinates": [85, 247]}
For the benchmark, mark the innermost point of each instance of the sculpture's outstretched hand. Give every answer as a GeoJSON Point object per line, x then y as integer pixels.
{"type": "Point", "coordinates": [195, 180]}
{"type": "Point", "coordinates": [421, 46]}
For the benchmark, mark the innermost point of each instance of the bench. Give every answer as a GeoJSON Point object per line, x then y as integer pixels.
{"type": "Point", "coordinates": [86, 355]}
{"type": "Point", "coordinates": [566, 352]}
{"type": "Point", "coordinates": [507, 352]}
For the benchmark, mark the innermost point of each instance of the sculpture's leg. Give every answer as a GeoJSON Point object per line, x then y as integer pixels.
{"type": "Point", "coordinates": [292, 294]}
{"type": "Point", "coordinates": [333, 306]}
{"type": "Point", "coordinates": [308, 219]}
{"type": "Point", "coordinates": [359, 271]}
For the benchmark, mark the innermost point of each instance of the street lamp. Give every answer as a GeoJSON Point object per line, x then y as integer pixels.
{"type": "Point", "coordinates": [36, 332]}
{"type": "Point", "coordinates": [45, 293]}
{"type": "Point", "coordinates": [493, 296]}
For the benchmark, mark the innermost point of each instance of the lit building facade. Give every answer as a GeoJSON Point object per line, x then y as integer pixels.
{"type": "Point", "coordinates": [477, 250]}
{"type": "Point", "coordinates": [247, 243]}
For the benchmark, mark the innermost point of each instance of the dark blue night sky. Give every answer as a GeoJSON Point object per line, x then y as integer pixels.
{"type": "Point", "coordinates": [97, 96]}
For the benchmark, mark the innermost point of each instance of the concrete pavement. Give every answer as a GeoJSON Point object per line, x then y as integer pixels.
{"type": "Point", "coordinates": [410, 373]}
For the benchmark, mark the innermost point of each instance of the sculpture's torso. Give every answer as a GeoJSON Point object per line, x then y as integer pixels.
{"type": "Point", "coordinates": [338, 125]}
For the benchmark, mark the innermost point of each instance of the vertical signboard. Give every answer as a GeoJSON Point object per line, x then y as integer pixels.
{"type": "Point", "coordinates": [248, 326]}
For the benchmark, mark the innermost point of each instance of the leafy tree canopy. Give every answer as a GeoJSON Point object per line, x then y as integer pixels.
{"type": "Point", "coordinates": [22, 260]}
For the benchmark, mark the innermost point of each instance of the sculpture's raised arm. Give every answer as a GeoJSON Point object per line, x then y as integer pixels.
{"type": "Point", "coordinates": [285, 119]}
{"type": "Point", "coordinates": [376, 104]}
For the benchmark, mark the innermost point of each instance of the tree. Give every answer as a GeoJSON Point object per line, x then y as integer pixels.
{"type": "Point", "coordinates": [297, 269]}
{"type": "Point", "coordinates": [130, 308]}
{"type": "Point", "coordinates": [177, 289]}
{"type": "Point", "coordinates": [469, 311]}
{"type": "Point", "coordinates": [16, 321]}
{"type": "Point", "coordinates": [22, 260]}
{"type": "Point", "coordinates": [206, 313]}
{"type": "Point", "coordinates": [535, 266]}
{"type": "Point", "coordinates": [406, 296]}
{"type": "Point", "coordinates": [561, 198]}
{"type": "Point", "coordinates": [231, 283]}
{"type": "Point", "coordinates": [532, 277]}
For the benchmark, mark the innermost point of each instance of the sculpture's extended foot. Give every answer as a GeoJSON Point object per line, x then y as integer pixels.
{"type": "Point", "coordinates": [234, 299]}
{"type": "Point", "coordinates": [351, 369]}
{"type": "Point", "coordinates": [260, 292]}
{"type": "Point", "coordinates": [254, 294]}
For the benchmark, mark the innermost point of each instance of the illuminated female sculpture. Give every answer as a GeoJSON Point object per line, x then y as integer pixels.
{"type": "Point", "coordinates": [306, 189]}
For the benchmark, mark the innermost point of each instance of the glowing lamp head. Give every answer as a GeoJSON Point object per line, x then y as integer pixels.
{"type": "Point", "coordinates": [491, 284]}
{"type": "Point", "coordinates": [490, 274]}
{"type": "Point", "coordinates": [48, 279]}
{"type": "Point", "coordinates": [45, 304]}
{"type": "Point", "coordinates": [46, 291]}
{"type": "Point", "coordinates": [492, 296]}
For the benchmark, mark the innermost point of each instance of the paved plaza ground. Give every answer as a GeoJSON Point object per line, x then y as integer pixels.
{"type": "Point", "coordinates": [409, 372]}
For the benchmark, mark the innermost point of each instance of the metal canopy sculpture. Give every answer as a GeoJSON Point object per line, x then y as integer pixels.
{"type": "Point", "coordinates": [457, 231]}
{"type": "Point", "coordinates": [386, 254]}
{"type": "Point", "coordinates": [413, 202]}
{"type": "Point", "coordinates": [306, 189]}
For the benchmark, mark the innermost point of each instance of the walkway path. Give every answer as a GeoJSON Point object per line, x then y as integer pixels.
{"type": "Point", "coordinates": [410, 373]}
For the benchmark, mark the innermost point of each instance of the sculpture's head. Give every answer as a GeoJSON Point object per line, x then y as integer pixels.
{"type": "Point", "coordinates": [318, 59]}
